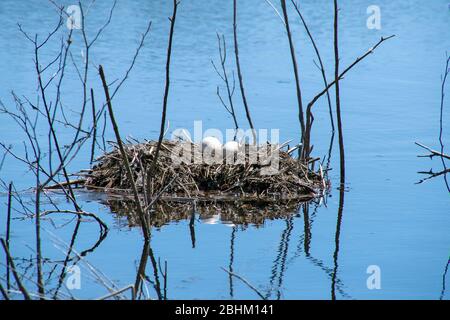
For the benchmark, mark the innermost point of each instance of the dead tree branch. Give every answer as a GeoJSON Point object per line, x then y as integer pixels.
{"type": "Point", "coordinates": [22, 288]}
{"type": "Point", "coordinates": [337, 95]}
{"type": "Point", "coordinates": [309, 120]}
{"type": "Point", "coordinates": [295, 66]}
{"type": "Point", "coordinates": [433, 153]}
{"type": "Point", "coordinates": [319, 58]}
{"type": "Point", "coordinates": [239, 72]}
{"type": "Point", "coordinates": [245, 282]}
{"type": "Point", "coordinates": [126, 163]}
{"type": "Point", "coordinates": [165, 100]}
{"type": "Point", "coordinates": [224, 76]}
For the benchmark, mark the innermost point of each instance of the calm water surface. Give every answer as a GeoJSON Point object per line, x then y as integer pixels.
{"type": "Point", "coordinates": [389, 101]}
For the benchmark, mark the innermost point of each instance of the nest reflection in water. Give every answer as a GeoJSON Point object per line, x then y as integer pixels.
{"type": "Point", "coordinates": [237, 212]}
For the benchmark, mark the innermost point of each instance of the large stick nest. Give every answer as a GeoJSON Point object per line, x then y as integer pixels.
{"type": "Point", "coordinates": [245, 178]}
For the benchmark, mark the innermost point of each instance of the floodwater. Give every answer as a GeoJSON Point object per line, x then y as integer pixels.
{"type": "Point", "coordinates": [389, 101]}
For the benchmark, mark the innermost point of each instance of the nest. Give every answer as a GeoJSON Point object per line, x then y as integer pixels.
{"type": "Point", "coordinates": [264, 173]}
{"type": "Point", "coordinates": [187, 180]}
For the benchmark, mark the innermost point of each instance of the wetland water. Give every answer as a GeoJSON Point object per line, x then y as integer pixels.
{"type": "Point", "coordinates": [389, 101]}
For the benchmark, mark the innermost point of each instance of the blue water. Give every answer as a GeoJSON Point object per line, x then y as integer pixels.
{"type": "Point", "coordinates": [389, 101]}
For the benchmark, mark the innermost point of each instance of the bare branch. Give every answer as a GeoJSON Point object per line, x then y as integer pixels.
{"type": "Point", "coordinates": [433, 153]}
{"type": "Point", "coordinates": [238, 67]}
{"type": "Point", "coordinates": [245, 282]}
{"type": "Point", "coordinates": [124, 156]}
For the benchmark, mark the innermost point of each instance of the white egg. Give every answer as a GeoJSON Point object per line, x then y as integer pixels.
{"type": "Point", "coordinates": [211, 143]}
{"type": "Point", "coordinates": [231, 147]}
